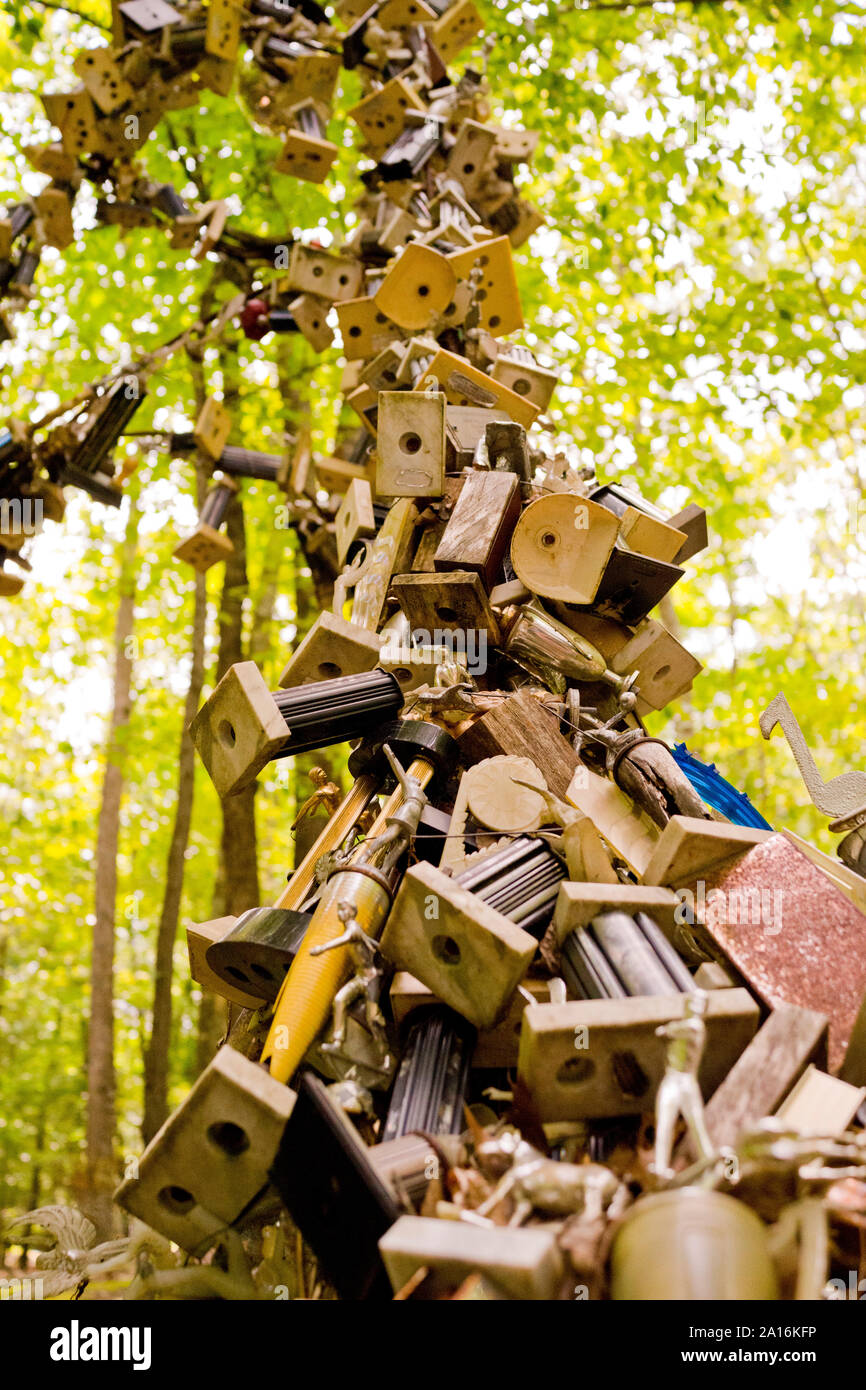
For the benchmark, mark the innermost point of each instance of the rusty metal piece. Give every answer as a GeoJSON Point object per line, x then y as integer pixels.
{"type": "Point", "coordinates": [793, 935]}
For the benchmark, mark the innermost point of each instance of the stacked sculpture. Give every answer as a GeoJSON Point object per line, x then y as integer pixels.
{"type": "Point", "coordinates": [523, 925]}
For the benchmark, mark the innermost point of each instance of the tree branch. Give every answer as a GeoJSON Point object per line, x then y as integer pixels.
{"type": "Point", "coordinates": [648, 4]}
{"type": "Point", "coordinates": [70, 9]}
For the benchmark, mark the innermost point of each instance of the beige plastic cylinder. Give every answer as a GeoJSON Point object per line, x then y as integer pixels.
{"type": "Point", "coordinates": [691, 1245]}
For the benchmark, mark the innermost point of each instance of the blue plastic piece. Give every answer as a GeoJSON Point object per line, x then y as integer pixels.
{"type": "Point", "coordinates": [712, 788]}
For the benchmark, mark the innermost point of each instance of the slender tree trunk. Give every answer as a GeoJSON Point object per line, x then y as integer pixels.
{"type": "Point", "coordinates": [101, 1169]}
{"type": "Point", "coordinates": [237, 888]}
{"type": "Point", "coordinates": [239, 875]}
{"type": "Point", "coordinates": [156, 1059]}
{"type": "Point", "coordinates": [239, 849]}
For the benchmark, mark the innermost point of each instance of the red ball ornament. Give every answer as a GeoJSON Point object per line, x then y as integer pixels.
{"type": "Point", "coordinates": [255, 319]}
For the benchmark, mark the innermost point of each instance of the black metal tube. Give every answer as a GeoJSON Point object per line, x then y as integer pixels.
{"type": "Point", "coordinates": [246, 463]}
{"type": "Point", "coordinates": [169, 201]}
{"type": "Point", "coordinates": [288, 48]}
{"type": "Point", "coordinates": [20, 218]}
{"type": "Point", "coordinates": [281, 321]}
{"type": "Point", "coordinates": [431, 1083]}
{"type": "Point", "coordinates": [489, 868]}
{"type": "Point", "coordinates": [587, 971]}
{"type": "Point", "coordinates": [215, 506]}
{"type": "Point", "coordinates": [521, 881]}
{"type": "Point", "coordinates": [96, 485]}
{"type": "Point", "coordinates": [335, 711]}
{"type": "Point", "coordinates": [239, 462]}
{"type": "Point", "coordinates": [306, 120]}
{"type": "Point", "coordinates": [667, 954]}
{"type": "Point", "coordinates": [25, 271]}
{"type": "Point", "coordinates": [409, 152]}
{"type": "Point", "coordinates": [631, 955]}
{"type": "Point", "coordinates": [188, 42]}
{"type": "Point", "coordinates": [111, 414]}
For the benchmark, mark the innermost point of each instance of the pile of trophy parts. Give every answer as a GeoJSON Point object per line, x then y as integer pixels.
{"type": "Point", "coordinates": [545, 1010]}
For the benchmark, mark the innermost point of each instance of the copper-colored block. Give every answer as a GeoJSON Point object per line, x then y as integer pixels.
{"type": "Point", "coordinates": [791, 933]}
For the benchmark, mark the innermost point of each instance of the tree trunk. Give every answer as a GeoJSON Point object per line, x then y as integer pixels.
{"type": "Point", "coordinates": [239, 850]}
{"type": "Point", "coordinates": [156, 1059]}
{"type": "Point", "coordinates": [238, 883]}
{"type": "Point", "coordinates": [101, 1170]}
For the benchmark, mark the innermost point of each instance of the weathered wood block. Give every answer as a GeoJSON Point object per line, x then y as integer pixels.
{"type": "Point", "coordinates": [820, 1104]}
{"type": "Point", "coordinates": [412, 666]}
{"type": "Point", "coordinates": [479, 528]}
{"type": "Point", "coordinates": [504, 595]}
{"type": "Point", "coordinates": [418, 287]}
{"type": "Point", "coordinates": [455, 29]}
{"type": "Point", "coordinates": [355, 517]}
{"type": "Point", "coordinates": [311, 316]}
{"type": "Point", "coordinates": [501, 311]}
{"type": "Point", "coordinates": [75, 116]}
{"type": "Point", "coordinates": [223, 28]}
{"type": "Point", "coordinates": [410, 447]}
{"type": "Point", "coordinates": [693, 521]}
{"type": "Point", "coordinates": [364, 400]}
{"type": "Point", "coordinates": [690, 846]}
{"type": "Point", "coordinates": [525, 1263]}
{"type": "Point", "coordinates": [331, 648]}
{"type": "Point", "coordinates": [318, 272]}
{"type": "Point", "coordinates": [55, 214]}
{"type": "Point", "coordinates": [213, 427]}
{"type": "Point", "coordinates": [46, 159]}
{"type": "Point", "coordinates": [665, 669]}
{"type": "Point", "coordinates": [306, 157]}
{"type": "Point", "coordinates": [428, 544]}
{"type": "Point", "coordinates": [764, 1073]}
{"type": "Point", "coordinates": [466, 385]}
{"type": "Point", "coordinates": [468, 161]}
{"type": "Point", "coordinates": [337, 475]}
{"type": "Point", "coordinates": [381, 115]}
{"type": "Point", "coordinates": [561, 546]}
{"type": "Point", "coordinates": [578, 903]}
{"type": "Point", "coordinates": [468, 954]}
{"type": "Point", "coordinates": [465, 427]}
{"type": "Point", "coordinates": [599, 1057]}
{"type": "Point", "coordinates": [103, 77]}
{"type": "Point", "coordinates": [201, 935]}
{"type": "Point", "coordinates": [212, 1156]}
{"type": "Point", "coordinates": [204, 548]}
{"type": "Point", "coordinates": [364, 328]}
{"type": "Point", "coordinates": [534, 383]}
{"type": "Point", "coordinates": [711, 974]}
{"type": "Point", "coordinates": [238, 729]}
{"type": "Point", "coordinates": [520, 725]}
{"type": "Point", "coordinates": [650, 537]}
{"type": "Point", "coordinates": [457, 603]}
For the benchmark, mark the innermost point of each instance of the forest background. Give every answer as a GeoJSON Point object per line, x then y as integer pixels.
{"type": "Point", "coordinates": [698, 283]}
